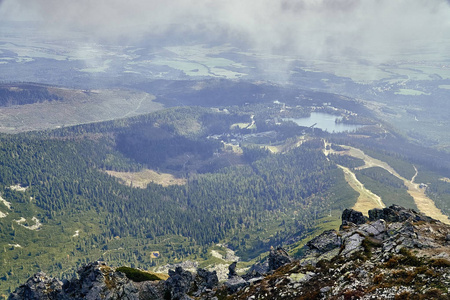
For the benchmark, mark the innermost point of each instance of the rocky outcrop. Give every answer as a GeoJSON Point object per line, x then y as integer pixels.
{"type": "Point", "coordinates": [257, 270]}
{"type": "Point", "coordinates": [40, 286]}
{"type": "Point", "coordinates": [353, 216]}
{"type": "Point", "coordinates": [205, 281]}
{"type": "Point", "coordinates": [327, 241]}
{"type": "Point", "coordinates": [232, 270]}
{"type": "Point", "coordinates": [96, 281]}
{"type": "Point", "coordinates": [395, 213]}
{"type": "Point", "coordinates": [277, 258]}
{"type": "Point", "coordinates": [178, 284]}
{"type": "Point", "coordinates": [397, 253]}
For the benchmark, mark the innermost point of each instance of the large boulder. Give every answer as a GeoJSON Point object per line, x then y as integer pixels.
{"type": "Point", "coordinates": [205, 281]}
{"type": "Point", "coordinates": [278, 257]}
{"type": "Point", "coordinates": [235, 284]}
{"type": "Point", "coordinates": [323, 247]}
{"type": "Point", "coordinates": [232, 270]}
{"type": "Point", "coordinates": [178, 284]}
{"type": "Point", "coordinates": [95, 281]}
{"type": "Point", "coordinates": [99, 281]}
{"type": "Point", "coordinates": [257, 270]}
{"type": "Point", "coordinates": [38, 287]}
{"type": "Point", "coordinates": [395, 213]}
{"type": "Point", "coordinates": [325, 242]}
{"type": "Point", "coordinates": [353, 216]}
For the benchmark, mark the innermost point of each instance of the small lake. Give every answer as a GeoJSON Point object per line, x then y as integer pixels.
{"type": "Point", "coordinates": [325, 122]}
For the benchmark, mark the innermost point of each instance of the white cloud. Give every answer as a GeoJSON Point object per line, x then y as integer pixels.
{"type": "Point", "coordinates": [310, 28]}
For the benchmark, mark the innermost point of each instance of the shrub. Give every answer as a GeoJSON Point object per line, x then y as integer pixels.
{"type": "Point", "coordinates": [440, 262]}
{"type": "Point", "coordinates": [378, 278]}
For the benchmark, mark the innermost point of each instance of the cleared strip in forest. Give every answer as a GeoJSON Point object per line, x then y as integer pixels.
{"type": "Point", "coordinates": [423, 203]}
{"type": "Point", "coordinates": [366, 199]}
{"type": "Point", "coordinates": [142, 178]}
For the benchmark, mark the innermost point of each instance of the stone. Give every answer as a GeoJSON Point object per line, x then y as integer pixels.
{"type": "Point", "coordinates": [254, 280]}
{"type": "Point", "coordinates": [373, 229]}
{"type": "Point", "coordinates": [352, 244]}
{"type": "Point", "coordinates": [325, 242]}
{"type": "Point", "coordinates": [277, 258]}
{"type": "Point", "coordinates": [98, 281]}
{"type": "Point", "coordinates": [257, 270]}
{"type": "Point", "coordinates": [232, 270]}
{"type": "Point", "coordinates": [235, 284]}
{"type": "Point", "coordinates": [39, 286]}
{"type": "Point", "coordinates": [179, 283]}
{"type": "Point", "coordinates": [395, 213]}
{"type": "Point", "coordinates": [205, 280]}
{"type": "Point", "coordinates": [353, 216]}
{"type": "Point", "coordinates": [150, 290]}
{"type": "Point", "coordinates": [95, 281]}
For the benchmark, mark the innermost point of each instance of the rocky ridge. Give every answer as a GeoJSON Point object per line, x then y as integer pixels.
{"type": "Point", "coordinates": [396, 253]}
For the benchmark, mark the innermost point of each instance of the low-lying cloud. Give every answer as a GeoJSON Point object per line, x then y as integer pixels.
{"type": "Point", "coordinates": [308, 28]}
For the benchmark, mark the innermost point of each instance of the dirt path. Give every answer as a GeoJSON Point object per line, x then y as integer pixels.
{"type": "Point", "coordinates": [424, 204]}
{"type": "Point", "coordinates": [136, 109]}
{"type": "Point", "coordinates": [414, 177]}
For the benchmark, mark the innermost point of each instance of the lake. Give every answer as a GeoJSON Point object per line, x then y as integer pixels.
{"type": "Point", "coordinates": [325, 122]}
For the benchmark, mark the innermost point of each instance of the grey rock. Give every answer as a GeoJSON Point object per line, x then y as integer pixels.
{"type": "Point", "coordinates": [39, 286]}
{"type": "Point", "coordinates": [232, 270]}
{"type": "Point", "coordinates": [325, 242]}
{"type": "Point", "coordinates": [205, 281]}
{"type": "Point", "coordinates": [256, 279]}
{"type": "Point", "coordinates": [257, 270]}
{"type": "Point", "coordinates": [235, 284]}
{"type": "Point", "coordinates": [179, 283]}
{"type": "Point", "coordinates": [278, 257]}
{"type": "Point", "coordinates": [395, 213]}
{"type": "Point", "coordinates": [374, 228]}
{"type": "Point", "coordinates": [352, 244]}
{"type": "Point", "coordinates": [353, 216]}
{"type": "Point", "coordinates": [150, 290]}
{"type": "Point", "coordinates": [96, 281]}
{"type": "Point", "coordinates": [388, 246]}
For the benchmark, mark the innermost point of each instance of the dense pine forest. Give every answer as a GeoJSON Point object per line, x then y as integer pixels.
{"type": "Point", "coordinates": [25, 93]}
{"type": "Point", "coordinates": [63, 184]}
{"type": "Point", "coordinates": [250, 199]}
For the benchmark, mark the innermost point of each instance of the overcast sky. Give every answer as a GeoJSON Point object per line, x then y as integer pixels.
{"type": "Point", "coordinates": [309, 28]}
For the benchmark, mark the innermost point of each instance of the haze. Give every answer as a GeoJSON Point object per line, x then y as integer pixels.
{"type": "Point", "coordinates": [309, 29]}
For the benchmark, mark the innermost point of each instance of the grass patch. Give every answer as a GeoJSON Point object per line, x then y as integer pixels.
{"type": "Point", "coordinates": [137, 275]}
{"type": "Point", "coordinates": [388, 187]}
{"type": "Point", "coordinates": [410, 92]}
{"type": "Point", "coordinates": [142, 178]}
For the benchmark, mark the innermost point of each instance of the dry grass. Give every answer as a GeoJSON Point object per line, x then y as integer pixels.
{"type": "Point", "coordinates": [423, 203]}
{"type": "Point", "coordinates": [146, 176]}
{"type": "Point", "coordinates": [366, 200]}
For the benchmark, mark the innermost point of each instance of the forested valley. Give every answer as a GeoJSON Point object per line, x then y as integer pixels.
{"type": "Point", "coordinates": [60, 208]}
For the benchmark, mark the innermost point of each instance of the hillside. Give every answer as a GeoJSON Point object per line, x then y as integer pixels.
{"type": "Point", "coordinates": [29, 106]}
{"type": "Point", "coordinates": [248, 178]}
{"type": "Point", "coordinates": [395, 254]}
